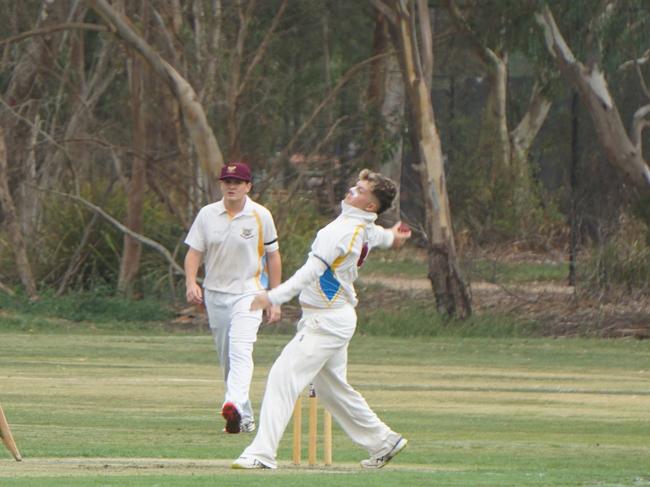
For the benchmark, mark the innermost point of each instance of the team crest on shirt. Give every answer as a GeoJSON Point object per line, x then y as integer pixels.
{"type": "Point", "coordinates": [246, 233]}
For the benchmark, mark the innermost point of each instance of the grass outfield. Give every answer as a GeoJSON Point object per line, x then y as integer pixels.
{"type": "Point", "coordinates": [108, 410]}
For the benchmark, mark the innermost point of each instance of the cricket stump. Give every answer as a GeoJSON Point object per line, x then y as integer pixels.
{"type": "Point", "coordinates": [7, 437]}
{"type": "Point", "coordinates": [312, 444]}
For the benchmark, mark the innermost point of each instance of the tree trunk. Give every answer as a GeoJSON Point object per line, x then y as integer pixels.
{"type": "Point", "coordinates": [573, 213]}
{"type": "Point", "coordinates": [451, 293]}
{"type": "Point", "coordinates": [28, 199]}
{"type": "Point", "coordinates": [495, 139]}
{"type": "Point", "coordinates": [524, 134]}
{"type": "Point", "coordinates": [12, 225]}
{"type": "Point", "coordinates": [521, 140]}
{"type": "Point", "coordinates": [130, 262]}
{"type": "Point", "coordinates": [21, 122]}
{"type": "Point", "coordinates": [622, 151]}
{"type": "Point", "coordinates": [80, 118]}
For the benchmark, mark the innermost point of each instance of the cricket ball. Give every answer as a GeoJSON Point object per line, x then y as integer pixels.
{"type": "Point", "coordinates": [403, 228]}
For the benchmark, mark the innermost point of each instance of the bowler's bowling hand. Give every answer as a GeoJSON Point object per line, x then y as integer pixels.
{"type": "Point", "coordinates": [261, 301]}
{"type": "Point", "coordinates": [401, 233]}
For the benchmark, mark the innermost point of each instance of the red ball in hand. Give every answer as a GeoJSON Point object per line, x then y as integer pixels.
{"type": "Point", "coordinates": [403, 228]}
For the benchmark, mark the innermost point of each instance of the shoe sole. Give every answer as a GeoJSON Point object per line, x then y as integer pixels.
{"type": "Point", "coordinates": [239, 466]}
{"type": "Point", "coordinates": [399, 446]}
{"type": "Point", "coordinates": [232, 417]}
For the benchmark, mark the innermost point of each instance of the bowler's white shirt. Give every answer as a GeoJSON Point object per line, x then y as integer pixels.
{"type": "Point", "coordinates": [326, 280]}
{"type": "Point", "coordinates": [234, 249]}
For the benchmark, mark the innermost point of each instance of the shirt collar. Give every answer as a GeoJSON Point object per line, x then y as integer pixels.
{"type": "Point", "coordinates": [247, 210]}
{"type": "Point", "coordinates": [354, 212]}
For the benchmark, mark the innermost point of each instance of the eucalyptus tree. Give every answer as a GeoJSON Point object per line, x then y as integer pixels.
{"type": "Point", "coordinates": [137, 100]}
{"type": "Point", "coordinates": [615, 36]}
{"type": "Point", "coordinates": [493, 32]}
{"type": "Point", "coordinates": [411, 31]}
{"type": "Point", "coordinates": [37, 67]}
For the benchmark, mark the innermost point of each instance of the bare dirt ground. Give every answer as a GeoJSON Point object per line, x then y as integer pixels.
{"type": "Point", "coordinates": [106, 467]}
{"type": "Point", "coordinates": [565, 310]}
{"type": "Point", "coordinates": [80, 467]}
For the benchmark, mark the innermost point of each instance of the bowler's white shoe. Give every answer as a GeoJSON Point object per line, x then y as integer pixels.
{"type": "Point", "coordinates": [378, 462]}
{"type": "Point", "coordinates": [247, 463]}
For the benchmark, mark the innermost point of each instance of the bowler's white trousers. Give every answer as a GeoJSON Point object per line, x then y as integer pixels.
{"type": "Point", "coordinates": [234, 330]}
{"type": "Point", "coordinates": [318, 356]}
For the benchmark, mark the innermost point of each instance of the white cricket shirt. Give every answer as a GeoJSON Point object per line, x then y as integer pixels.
{"type": "Point", "coordinates": [326, 280]}
{"type": "Point", "coordinates": [234, 249]}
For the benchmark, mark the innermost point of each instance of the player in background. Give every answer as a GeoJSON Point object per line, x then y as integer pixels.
{"type": "Point", "coordinates": [318, 352]}
{"type": "Point", "coordinates": [236, 240]}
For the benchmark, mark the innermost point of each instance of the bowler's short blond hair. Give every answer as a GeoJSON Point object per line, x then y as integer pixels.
{"type": "Point", "coordinates": [383, 188]}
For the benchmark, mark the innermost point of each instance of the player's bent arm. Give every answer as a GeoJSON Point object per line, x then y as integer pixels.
{"type": "Point", "coordinates": [380, 237]}
{"type": "Point", "coordinates": [308, 273]}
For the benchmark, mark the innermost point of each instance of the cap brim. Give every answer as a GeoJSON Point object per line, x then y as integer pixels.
{"type": "Point", "coordinates": [240, 178]}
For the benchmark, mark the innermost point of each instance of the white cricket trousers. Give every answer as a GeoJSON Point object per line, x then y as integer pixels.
{"type": "Point", "coordinates": [234, 330]}
{"type": "Point", "coordinates": [318, 356]}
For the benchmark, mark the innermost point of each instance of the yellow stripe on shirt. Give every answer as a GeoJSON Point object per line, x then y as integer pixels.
{"type": "Point", "coordinates": [337, 262]}
{"type": "Point", "coordinates": [260, 248]}
{"type": "Point", "coordinates": [341, 258]}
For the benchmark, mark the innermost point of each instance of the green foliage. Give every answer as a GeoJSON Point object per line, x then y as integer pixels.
{"type": "Point", "coordinates": [641, 211]}
{"type": "Point", "coordinates": [95, 307]}
{"type": "Point", "coordinates": [63, 225]}
{"type": "Point", "coordinates": [493, 210]}
{"type": "Point", "coordinates": [62, 229]}
{"type": "Point", "coordinates": [297, 222]}
{"type": "Point", "coordinates": [621, 262]}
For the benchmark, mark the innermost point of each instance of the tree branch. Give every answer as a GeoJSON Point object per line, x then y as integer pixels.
{"type": "Point", "coordinates": [344, 79]}
{"type": "Point", "coordinates": [539, 105]}
{"type": "Point", "coordinates": [645, 57]}
{"type": "Point", "coordinates": [485, 54]}
{"type": "Point", "coordinates": [644, 86]}
{"type": "Point", "coordinates": [31, 124]}
{"type": "Point", "coordinates": [201, 134]}
{"type": "Point", "coordinates": [262, 47]}
{"type": "Point", "coordinates": [590, 83]}
{"type": "Point", "coordinates": [7, 289]}
{"type": "Point", "coordinates": [140, 238]}
{"type": "Point", "coordinates": [55, 28]}
{"type": "Point", "coordinates": [639, 123]}
{"type": "Point", "coordinates": [385, 11]}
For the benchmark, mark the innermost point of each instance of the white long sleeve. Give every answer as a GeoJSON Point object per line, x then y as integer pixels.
{"type": "Point", "coordinates": [303, 277]}
{"type": "Point", "coordinates": [326, 280]}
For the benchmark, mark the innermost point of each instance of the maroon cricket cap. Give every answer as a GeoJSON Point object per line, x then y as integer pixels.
{"type": "Point", "coordinates": [236, 170]}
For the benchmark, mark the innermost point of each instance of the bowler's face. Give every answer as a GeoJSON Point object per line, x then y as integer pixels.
{"type": "Point", "coordinates": [360, 196]}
